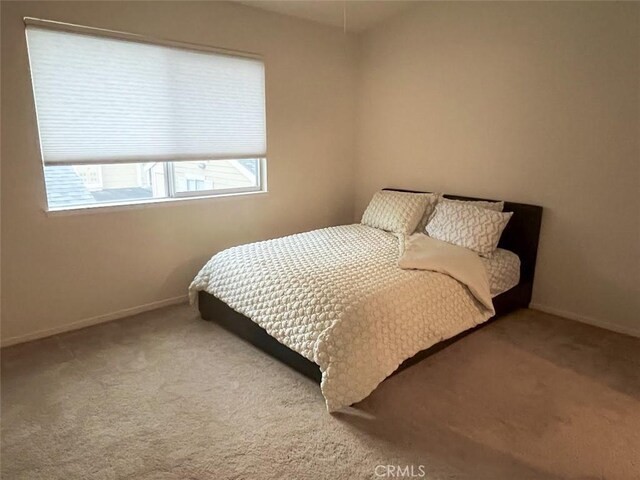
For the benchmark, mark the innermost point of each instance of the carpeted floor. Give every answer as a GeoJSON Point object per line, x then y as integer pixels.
{"type": "Point", "coordinates": [165, 395]}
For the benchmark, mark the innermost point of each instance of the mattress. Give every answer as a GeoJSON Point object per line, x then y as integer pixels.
{"type": "Point", "coordinates": [338, 297]}
{"type": "Point", "coordinates": [503, 270]}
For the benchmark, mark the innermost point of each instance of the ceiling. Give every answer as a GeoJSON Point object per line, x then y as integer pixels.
{"type": "Point", "coordinates": [361, 14]}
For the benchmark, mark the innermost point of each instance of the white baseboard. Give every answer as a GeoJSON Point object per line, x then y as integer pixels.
{"type": "Point", "coordinates": [634, 332]}
{"type": "Point", "coordinates": [127, 312]}
{"type": "Point", "coordinates": [87, 322]}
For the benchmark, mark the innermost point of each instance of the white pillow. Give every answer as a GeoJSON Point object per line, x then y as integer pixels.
{"type": "Point", "coordinates": [495, 206]}
{"type": "Point", "coordinates": [468, 226]}
{"type": "Point", "coordinates": [397, 212]}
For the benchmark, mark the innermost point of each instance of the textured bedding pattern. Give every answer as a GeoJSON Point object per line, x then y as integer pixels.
{"type": "Point", "coordinates": [503, 269]}
{"type": "Point", "coordinates": [338, 297]}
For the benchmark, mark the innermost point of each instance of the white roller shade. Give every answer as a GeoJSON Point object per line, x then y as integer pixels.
{"type": "Point", "coordinates": [101, 99]}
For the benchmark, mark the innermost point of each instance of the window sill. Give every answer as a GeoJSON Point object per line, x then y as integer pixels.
{"type": "Point", "coordinates": [159, 202]}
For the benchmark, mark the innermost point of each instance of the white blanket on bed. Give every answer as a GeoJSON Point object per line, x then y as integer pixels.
{"type": "Point", "coordinates": [338, 297]}
{"type": "Point", "coordinates": [422, 252]}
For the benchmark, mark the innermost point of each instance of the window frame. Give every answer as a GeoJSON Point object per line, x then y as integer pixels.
{"type": "Point", "coordinates": [171, 195]}
{"type": "Point", "coordinates": [95, 208]}
{"type": "Point", "coordinates": [172, 192]}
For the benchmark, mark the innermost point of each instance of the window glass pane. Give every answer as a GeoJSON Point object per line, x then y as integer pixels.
{"type": "Point", "coordinates": [82, 185]}
{"type": "Point", "coordinates": [210, 175]}
{"type": "Point", "coordinates": [78, 185]}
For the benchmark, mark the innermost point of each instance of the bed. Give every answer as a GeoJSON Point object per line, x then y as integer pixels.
{"type": "Point", "coordinates": [334, 305]}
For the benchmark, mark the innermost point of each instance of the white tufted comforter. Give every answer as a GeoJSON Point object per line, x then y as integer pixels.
{"type": "Point", "coordinates": [338, 297]}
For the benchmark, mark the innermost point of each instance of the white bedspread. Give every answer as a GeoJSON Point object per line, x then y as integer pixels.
{"type": "Point", "coordinates": [338, 297]}
{"type": "Point", "coordinates": [503, 269]}
{"type": "Point", "coordinates": [422, 252]}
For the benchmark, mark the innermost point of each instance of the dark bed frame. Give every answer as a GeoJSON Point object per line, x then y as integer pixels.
{"type": "Point", "coordinates": [520, 236]}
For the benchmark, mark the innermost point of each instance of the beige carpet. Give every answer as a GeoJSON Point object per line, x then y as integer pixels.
{"type": "Point", "coordinates": [165, 395]}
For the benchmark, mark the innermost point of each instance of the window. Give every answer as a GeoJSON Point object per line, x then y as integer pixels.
{"type": "Point", "coordinates": [71, 186]}
{"type": "Point", "coordinates": [125, 120]}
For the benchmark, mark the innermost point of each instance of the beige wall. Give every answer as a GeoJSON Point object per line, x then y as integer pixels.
{"type": "Point", "coordinates": [530, 102]}
{"type": "Point", "coordinates": [527, 102]}
{"type": "Point", "coordinates": [57, 270]}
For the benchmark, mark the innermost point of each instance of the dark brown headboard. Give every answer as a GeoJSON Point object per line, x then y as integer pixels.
{"type": "Point", "coordinates": [520, 235]}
